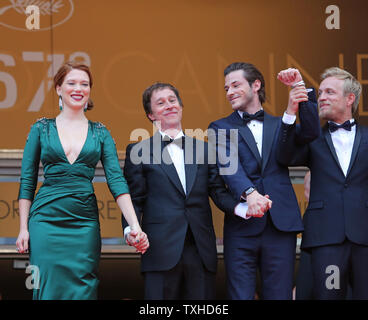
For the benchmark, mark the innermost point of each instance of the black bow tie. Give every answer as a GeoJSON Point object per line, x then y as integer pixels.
{"type": "Point", "coordinates": [259, 115]}
{"type": "Point", "coordinates": [346, 125]}
{"type": "Point", "coordinates": [179, 141]}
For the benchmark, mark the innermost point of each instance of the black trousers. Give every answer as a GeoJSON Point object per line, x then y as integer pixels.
{"type": "Point", "coordinates": [272, 252]}
{"type": "Point", "coordinates": [188, 280]}
{"type": "Point", "coordinates": [335, 266]}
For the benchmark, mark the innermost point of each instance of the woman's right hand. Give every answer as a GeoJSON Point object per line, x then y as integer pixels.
{"type": "Point", "coordinates": [22, 241]}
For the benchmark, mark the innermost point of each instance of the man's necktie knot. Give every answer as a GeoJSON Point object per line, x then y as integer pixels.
{"type": "Point", "coordinates": [259, 115]}
{"type": "Point", "coordinates": [346, 125]}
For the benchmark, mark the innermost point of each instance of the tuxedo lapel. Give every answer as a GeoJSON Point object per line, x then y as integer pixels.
{"type": "Point", "coordinates": [163, 160]}
{"type": "Point", "coordinates": [354, 152]}
{"type": "Point", "coordinates": [328, 138]}
{"type": "Point", "coordinates": [247, 135]}
{"type": "Point", "coordinates": [190, 157]}
{"type": "Point", "coordinates": [270, 125]}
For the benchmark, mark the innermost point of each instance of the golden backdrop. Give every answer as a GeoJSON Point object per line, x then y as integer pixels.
{"type": "Point", "coordinates": [131, 44]}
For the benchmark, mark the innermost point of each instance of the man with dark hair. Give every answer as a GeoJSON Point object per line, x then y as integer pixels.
{"type": "Point", "coordinates": [265, 237]}
{"type": "Point", "coordinates": [252, 74]}
{"type": "Point", "coordinates": [170, 197]}
{"type": "Point", "coordinates": [336, 219]}
{"type": "Point", "coordinates": [146, 97]}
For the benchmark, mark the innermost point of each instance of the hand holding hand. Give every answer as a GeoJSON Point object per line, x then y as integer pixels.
{"type": "Point", "coordinates": [296, 95]}
{"type": "Point", "coordinates": [258, 204]}
{"type": "Point", "coordinates": [138, 239]}
{"type": "Point", "coordinates": [290, 76]}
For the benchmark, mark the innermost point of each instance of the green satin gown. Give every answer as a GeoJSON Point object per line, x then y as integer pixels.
{"type": "Point", "coordinates": [65, 242]}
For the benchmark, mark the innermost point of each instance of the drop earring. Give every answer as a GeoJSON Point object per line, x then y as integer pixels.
{"type": "Point", "coordinates": [60, 103]}
{"type": "Point", "coordinates": [85, 107]}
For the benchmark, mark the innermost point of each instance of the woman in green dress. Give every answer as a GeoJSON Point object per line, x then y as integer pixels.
{"type": "Point", "coordinates": [60, 225]}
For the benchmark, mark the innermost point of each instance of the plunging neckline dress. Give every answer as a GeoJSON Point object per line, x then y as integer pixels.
{"type": "Point", "coordinates": [63, 223]}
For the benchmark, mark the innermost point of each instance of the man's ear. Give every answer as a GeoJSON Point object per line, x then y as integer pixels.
{"type": "Point", "coordinates": [256, 85]}
{"type": "Point", "coordinates": [350, 98]}
{"type": "Point", "coordinates": [151, 117]}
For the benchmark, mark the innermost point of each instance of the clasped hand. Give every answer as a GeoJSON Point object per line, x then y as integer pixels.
{"type": "Point", "coordinates": [138, 239]}
{"type": "Point", "coordinates": [258, 205]}
{"type": "Point", "coordinates": [297, 94]}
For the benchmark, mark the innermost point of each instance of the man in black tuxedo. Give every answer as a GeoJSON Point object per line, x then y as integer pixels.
{"type": "Point", "coordinates": [336, 219]}
{"type": "Point", "coordinates": [170, 179]}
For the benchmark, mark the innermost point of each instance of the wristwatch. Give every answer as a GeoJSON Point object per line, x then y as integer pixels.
{"type": "Point", "coordinates": [249, 191]}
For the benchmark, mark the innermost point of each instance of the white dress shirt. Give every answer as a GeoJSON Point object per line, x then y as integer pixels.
{"type": "Point", "coordinates": [256, 127]}
{"type": "Point", "coordinates": [343, 141]}
{"type": "Point", "coordinates": [177, 156]}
